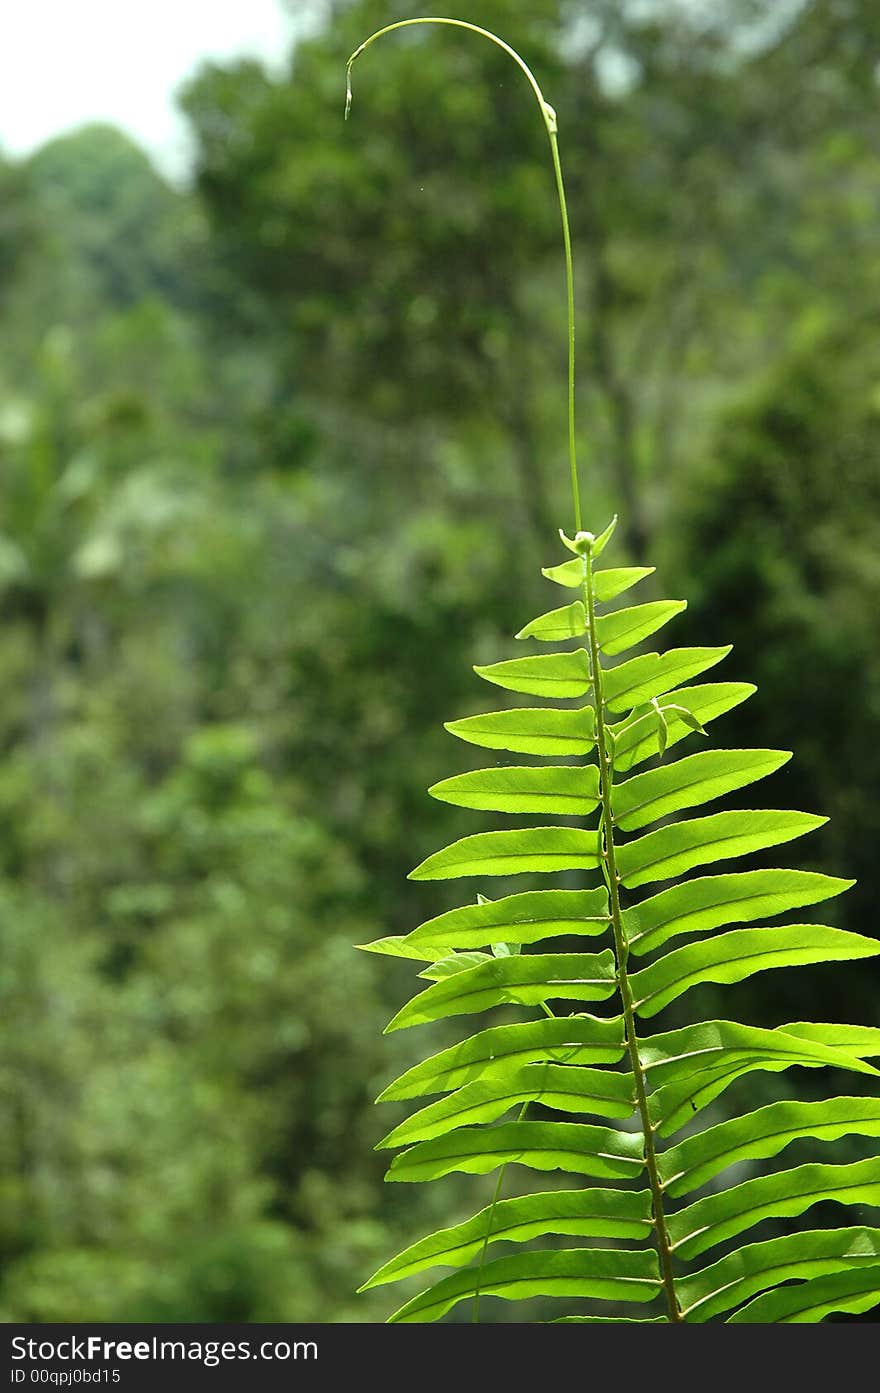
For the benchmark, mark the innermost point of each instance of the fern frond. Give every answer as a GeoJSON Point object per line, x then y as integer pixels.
{"type": "Point", "coordinates": [611, 1098]}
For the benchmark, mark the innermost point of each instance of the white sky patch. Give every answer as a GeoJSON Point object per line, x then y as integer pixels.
{"type": "Point", "coordinates": [67, 62]}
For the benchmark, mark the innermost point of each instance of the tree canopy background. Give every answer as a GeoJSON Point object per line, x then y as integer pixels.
{"type": "Point", "coordinates": [282, 454]}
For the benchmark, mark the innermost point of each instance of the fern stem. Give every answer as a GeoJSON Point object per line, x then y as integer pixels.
{"type": "Point", "coordinates": [621, 950]}
{"type": "Point", "coordinates": [569, 287]}
{"type": "Point", "coordinates": [475, 1314]}
{"type": "Point", "coordinates": [549, 117]}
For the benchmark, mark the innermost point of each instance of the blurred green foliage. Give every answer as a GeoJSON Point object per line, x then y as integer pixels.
{"type": "Point", "coordinates": [281, 457]}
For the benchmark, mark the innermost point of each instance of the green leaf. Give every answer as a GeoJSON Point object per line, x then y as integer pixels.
{"type": "Point", "coordinates": [603, 539]}
{"type": "Point", "coordinates": [675, 1104]}
{"type": "Point", "coordinates": [624, 628]}
{"type": "Point", "coordinates": [731, 957]}
{"type": "Point", "coordinates": [690, 782]}
{"type": "Point", "coordinates": [762, 1133]}
{"type": "Point", "coordinates": [695, 1052]}
{"type": "Point", "coordinates": [863, 1041]}
{"type": "Point", "coordinates": [475, 964]}
{"type": "Point", "coordinates": [712, 901]}
{"type": "Point", "coordinates": [396, 946]}
{"type": "Point", "coordinates": [570, 621]}
{"type": "Point", "coordinates": [779, 1195]}
{"type": "Point", "coordinates": [554, 788]}
{"type": "Point", "coordinates": [854, 1289]}
{"type": "Point", "coordinates": [530, 731]}
{"type": "Point", "coordinates": [635, 740]}
{"type": "Point", "coordinates": [615, 1274]}
{"type": "Point", "coordinates": [607, 585]}
{"type": "Point", "coordinates": [577, 1039]}
{"type": "Point", "coordinates": [565, 1087]}
{"type": "Point", "coordinates": [697, 1063]}
{"type": "Point", "coordinates": [652, 674]}
{"type": "Point", "coordinates": [570, 574]}
{"type": "Point", "coordinates": [761, 1265]}
{"type": "Point", "coordinates": [669, 708]}
{"type": "Point", "coordinates": [575, 1147]}
{"type": "Point", "coordinates": [528, 917]}
{"type": "Point", "coordinates": [662, 732]}
{"type": "Point", "coordinates": [455, 962]}
{"type": "Point", "coordinates": [538, 850]}
{"type": "Point", "coordinates": [530, 980]}
{"type": "Point", "coordinates": [578, 544]}
{"type": "Point", "coordinates": [670, 851]}
{"type": "Point", "coordinates": [579, 1213]}
{"type": "Point", "coordinates": [548, 674]}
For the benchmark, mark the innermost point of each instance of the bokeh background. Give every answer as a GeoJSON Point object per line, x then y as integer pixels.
{"type": "Point", "coordinates": [282, 451]}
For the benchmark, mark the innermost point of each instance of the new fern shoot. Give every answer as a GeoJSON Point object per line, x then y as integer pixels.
{"type": "Point", "coordinates": [563, 1073]}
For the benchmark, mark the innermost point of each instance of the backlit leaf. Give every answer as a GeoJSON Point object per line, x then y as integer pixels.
{"type": "Point", "coordinates": [530, 731]}
{"type": "Point", "coordinates": [670, 851]}
{"type": "Point", "coordinates": [635, 739]}
{"type": "Point", "coordinates": [555, 788]}
{"type": "Point", "coordinates": [689, 782]}
{"type": "Point", "coordinates": [710, 902]}
{"type": "Point", "coordinates": [528, 979]}
{"type": "Point", "coordinates": [576, 1147]}
{"type": "Point", "coordinates": [580, 1213]}
{"type": "Point", "coordinates": [731, 957]}
{"type": "Point", "coordinates": [570, 621]}
{"type": "Point", "coordinates": [624, 628]}
{"type": "Point", "coordinates": [546, 674]}
{"type": "Point", "coordinates": [579, 1039]}
{"type": "Point", "coordinates": [534, 849]}
{"type": "Point", "coordinates": [637, 681]}
{"type": "Point", "coordinates": [563, 1087]}
{"type": "Point", "coordinates": [616, 1274]}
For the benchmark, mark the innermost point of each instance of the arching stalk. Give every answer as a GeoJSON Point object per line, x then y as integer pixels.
{"type": "Point", "coordinates": [549, 118]}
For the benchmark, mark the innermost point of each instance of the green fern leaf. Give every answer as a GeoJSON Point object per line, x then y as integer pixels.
{"type": "Point", "coordinates": [529, 980]}
{"type": "Point", "coordinates": [539, 850]}
{"type": "Point", "coordinates": [713, 901]}
{"type": "Point", "coordinates": [527, 731]}
{"type": "Point", "coordinates": [759, 1266]}
{"type": "Point", "coordinates": [575, 1147]}
{"type": "Point", "coordinates": [732, 957]}
{"type": "Point", "coordinates": [624, 628]}
{"type": "Point", "coordinates": [609, 584]}
{"type": "Point", "coordinates": [635, 739]}
{"type": "Point", "coordinates": [617, 1274]}
{"type": "Point", "coordinates": [563, 1087]}
{"type": "Point", "coordinates": [568, 622]}
{"type": "Point", "coordinates": [525, 918]}
{"type": "Point", "coordinates": [763, 1133]}
{"type": "Point", "coordinates": [688, 783]}
{"type": "Point", "coordinates": [580, 1039]}
{"type": "Point", "coordinates": [781, 1194]}
{"type": "Point", "coordinates": [854, 1289]}
{"type": "Point", "coordinates": [653, 674]}
{"type": "Point", "coordinates": [577, 1213]}
{"type": "Point", "coordinates": [482, 956]}
{"type": "Point", "coordinates": [559, 789]}
{"type": "Point", "coordinates": [548, 674]}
